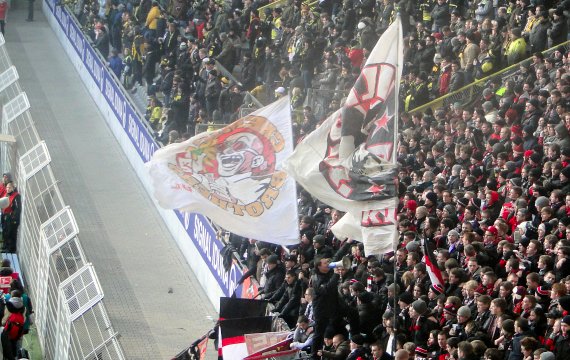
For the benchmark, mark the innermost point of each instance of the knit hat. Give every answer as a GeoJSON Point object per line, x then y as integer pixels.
{"type": "Point", "coordinates": [406, 298]}
{"type": "Point", "coordinates": [493, 230]}
{"type": "Point", "coordinates": [357, 339]}
{"type": "Point", "coordinates": [463, 202]}
{"type": "Point", "coordinates": [543, 291]}
{"type": "Point", "coordinates": [547, 355]}
{"type": "Point", "coordinates": [413, 246]}
{"type": "Point", "coordinates": [464, 311]}
{"type": "Point", "coordinates": [566, 171]}
{"type": "Point", "coordinates": [450, 309]}
{"type": "Point", "coordinates": [421, 351]}
{"type": "Point", "coordinates": [535, 103]}
{"type": "Point", "coordinates": [394, 288]}
{"type": "Point", "coordinates": [564, 302]}
{"type": "Point", "coordinates": [566, 320]}
{"type": "Point", "coordinates": [431, 196]}
{"type": "Point", "coordinates": [518, 293]}
{"type": "Point", "coordinates": [319, 239]}
{"type": "Point", "coordinates": [450, 209]}
{"type": "Point", "coordinates": [554, 314]}
{"type": "Point", "coordinates": [541, 201]}
{"type": "Point", "coordinates": [420, 307]}
{"type": "Point", "coordinates": [273, 259]}
{"type": "Point", "coordinates": [477, 155]}
{"type": "Point", "coordinates": [488, 106]}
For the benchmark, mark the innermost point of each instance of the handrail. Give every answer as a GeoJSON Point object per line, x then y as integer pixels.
{"type": "Point", "coordinates": [436, 103]}
{"type": "Point", "coordinates": [271, 5]}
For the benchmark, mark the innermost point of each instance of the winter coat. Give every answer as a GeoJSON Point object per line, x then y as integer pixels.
{"type": "Point", "coordinates": [538, 36]}
{"type": "Point", "coordinates": [558, 33]}
{"type": "Point", "coordinates": [325, 302]}
{"type": "Point", "coordinates": [440, 14]}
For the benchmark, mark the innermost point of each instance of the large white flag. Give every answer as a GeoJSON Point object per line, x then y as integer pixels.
{"type": "Point", "coordinates": [234, 176]}
{"type": "Point", "coordinates": [348, 162]}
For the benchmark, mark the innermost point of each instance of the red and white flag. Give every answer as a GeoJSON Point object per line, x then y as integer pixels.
{"type": "Point", "coordinates": [348, 162]}
{"type": "Point", "coordinates": [234, 176]}
{"type": "Point", "coordinates": [233, 335]}
{"type": "Point", "coordinates": [431, 265]}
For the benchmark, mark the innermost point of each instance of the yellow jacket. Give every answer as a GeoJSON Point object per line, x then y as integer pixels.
{"type": "Point", "coordinates": [152, 18]}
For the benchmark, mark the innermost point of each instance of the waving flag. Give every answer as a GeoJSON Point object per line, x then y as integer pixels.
{"type": "Point", "coordinates": [349, 162]}
{"type": "Point", "coordinates": [234, 176]}
{"type": "Point", "coordinates": [431, 265]}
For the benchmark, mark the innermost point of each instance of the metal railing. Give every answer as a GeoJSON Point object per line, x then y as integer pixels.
{"type": "Point", "coordinates": [71, 319]}
{"type": "Point", "coordinates": [475, 88]}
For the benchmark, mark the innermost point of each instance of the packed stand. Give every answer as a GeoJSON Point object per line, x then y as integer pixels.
{"type": "Point", "coordinates": [485, 185]}
{"type": "Point", "coordinates": [178, 52]}
{"type": "Point", "coordinates": [486, 189]}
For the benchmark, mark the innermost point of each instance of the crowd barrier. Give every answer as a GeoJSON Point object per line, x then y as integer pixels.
{"type": "Point", "coordinates": [473, 90]}
{"type": "Point", "coordinates": [194, 234]}
{"type": "Point", "coordinates": [71, 319]}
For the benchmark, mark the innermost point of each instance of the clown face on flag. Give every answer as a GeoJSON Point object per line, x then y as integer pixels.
{"type": "Point", "coordinates": [234, 176]}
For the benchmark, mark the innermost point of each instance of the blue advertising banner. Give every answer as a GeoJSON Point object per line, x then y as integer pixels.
{"type": "Point", "coordinates": [196, 226]}
{"type": "Point", "coordinates": [210, 247]}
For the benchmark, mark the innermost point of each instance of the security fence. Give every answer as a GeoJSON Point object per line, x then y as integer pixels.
{"type": "Point", "coordinates": [472, 91]}
{"type": "Point", "coordinates": [71, 319]}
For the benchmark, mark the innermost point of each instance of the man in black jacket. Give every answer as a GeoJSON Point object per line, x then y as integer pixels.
{"type": "Point", "coordinates": [325, 303]}
{"type": "Point", "coordinates": [287, 298]}
{"type": "Point", "coordinates": [275, 275]}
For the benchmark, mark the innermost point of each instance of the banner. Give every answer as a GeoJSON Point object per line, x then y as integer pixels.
{"type": "Point", "coordinates": [234, 176]}
{"type": "Point", "coordinates": [348, 162]}
{"type": "Point", "coordinates": [234, 308]}
{"type": "Point", "coordinates": [233, 332]}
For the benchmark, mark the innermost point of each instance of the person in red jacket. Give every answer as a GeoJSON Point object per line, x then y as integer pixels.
{"type": "Point", "coordinates": [13, 327]}
{"type": "Point", "coordinates": [3, 12]}
{"type": "Point", "coordinates": [11, 219]}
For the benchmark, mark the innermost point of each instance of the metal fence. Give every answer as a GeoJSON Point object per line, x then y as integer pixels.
{"type": "Point", "coordinates": [71, 319]}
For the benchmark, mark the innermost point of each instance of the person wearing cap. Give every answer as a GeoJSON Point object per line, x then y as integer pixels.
{"type": "Point", "coordinates": [275, 275]}
{"type": "Point", "coordinates": [357, 349]}
{"type": "Point", "coordinates": [562, 345]}
{"type": "Point", "coordinates": [422, 322]}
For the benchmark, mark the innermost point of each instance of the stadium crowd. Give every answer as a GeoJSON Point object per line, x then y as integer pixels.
{"type": "Point", "coordinates": [178, 52]}
{"type": "Point", "coordinates": [484, 183]}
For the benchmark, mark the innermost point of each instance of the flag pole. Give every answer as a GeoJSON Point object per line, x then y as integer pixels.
{"type": "Point", "coordinates": [394, 161]}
